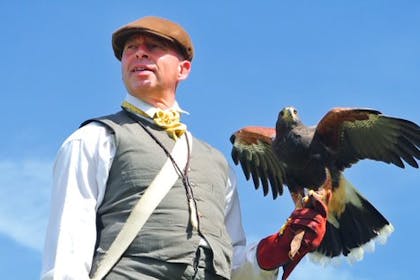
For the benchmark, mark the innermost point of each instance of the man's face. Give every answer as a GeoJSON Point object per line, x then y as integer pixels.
{"type": "Point", "coordinates": [151, 66]}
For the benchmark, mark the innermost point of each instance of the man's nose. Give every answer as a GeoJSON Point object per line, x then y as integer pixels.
{"type": "Point", "coordinates": [142, 51]}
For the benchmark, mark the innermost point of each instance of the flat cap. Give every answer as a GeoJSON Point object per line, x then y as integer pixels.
{"type": "Point", "coordinates": [156, 26]}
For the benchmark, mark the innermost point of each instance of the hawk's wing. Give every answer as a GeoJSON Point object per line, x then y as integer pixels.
{"type": "Point", "coordinates": [252, 149]}
{"type": "Point", "coordinates": [355, 134]}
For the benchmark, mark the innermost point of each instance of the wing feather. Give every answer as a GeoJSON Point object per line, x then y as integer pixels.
{"type": "Point", "coordinates": [252, 150]}
{"type": "Point", "coordinates": [353, 134]}
{"type": "Point", "coordinates": [408, 152]}
{"type": "Point", "coordinates": [245, 167]}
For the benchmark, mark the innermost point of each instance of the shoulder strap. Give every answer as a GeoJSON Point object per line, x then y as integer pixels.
{"type": "Point", "coordinates": [151, 198]}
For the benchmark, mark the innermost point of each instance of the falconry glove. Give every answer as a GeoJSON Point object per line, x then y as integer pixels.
{"type": "Point", "coordinates": [302, 233]}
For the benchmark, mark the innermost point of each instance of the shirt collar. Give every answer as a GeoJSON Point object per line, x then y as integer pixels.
{"type": "Point", "coordinates": [149, 109]}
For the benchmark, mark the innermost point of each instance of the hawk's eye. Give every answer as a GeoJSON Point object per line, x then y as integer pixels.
{"type": "Point", "coordinates": [294, 111]}
{"type": "Point", "coordinates": [282, 113]}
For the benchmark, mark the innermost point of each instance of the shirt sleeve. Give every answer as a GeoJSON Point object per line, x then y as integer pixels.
{"type": "Point", "coordinates": [244, 263]}
{"type": "Point", "coordinates": [79, 177]}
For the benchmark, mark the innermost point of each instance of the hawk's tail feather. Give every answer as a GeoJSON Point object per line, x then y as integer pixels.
{"type": "Point", "coordinates": [354, 226]}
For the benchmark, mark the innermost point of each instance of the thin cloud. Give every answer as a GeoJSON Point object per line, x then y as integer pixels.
{"type": "Point", "coordinates": [24, 200]}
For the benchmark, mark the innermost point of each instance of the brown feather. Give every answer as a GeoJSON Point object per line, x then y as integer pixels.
{"type": "Point", "coordinates": [328, 129]}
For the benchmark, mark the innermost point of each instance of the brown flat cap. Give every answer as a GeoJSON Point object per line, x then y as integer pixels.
{"type": "Point", "coordinates": [160, 27]}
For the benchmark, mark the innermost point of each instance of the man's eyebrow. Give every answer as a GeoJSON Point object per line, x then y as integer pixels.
{"type": "Point", "coordinates": [161, 41]}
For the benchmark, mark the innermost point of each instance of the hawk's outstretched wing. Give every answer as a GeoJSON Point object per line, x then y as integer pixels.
{"type": "Point", "coordinates": [252, 149]}
{"type": "Point", "coordinates": [355, 134]}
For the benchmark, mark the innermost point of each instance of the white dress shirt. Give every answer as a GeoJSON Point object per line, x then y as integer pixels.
{"type": "Point", "coordinates": [79, 180]}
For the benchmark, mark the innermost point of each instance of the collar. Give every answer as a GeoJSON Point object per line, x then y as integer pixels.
{"type": "Point", "coordinates": [149, 109]}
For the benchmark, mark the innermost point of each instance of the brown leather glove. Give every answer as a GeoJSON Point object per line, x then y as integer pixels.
{"type": "Point", "coordinates": [302, 233]}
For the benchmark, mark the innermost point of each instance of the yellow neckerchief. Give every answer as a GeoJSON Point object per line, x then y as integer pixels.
{"type": "Point", "coordinates": [168, 120]}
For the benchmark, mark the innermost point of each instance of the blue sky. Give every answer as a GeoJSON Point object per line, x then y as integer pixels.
{"type": "Point", "coordinates": [252, 59]}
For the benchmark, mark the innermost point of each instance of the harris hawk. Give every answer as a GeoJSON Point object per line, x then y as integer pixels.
{"type": "Point", "coordinates": [314, 158]}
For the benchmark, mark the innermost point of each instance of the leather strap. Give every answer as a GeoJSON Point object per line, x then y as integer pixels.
{"type": "Point", "coordinates": [141, 212]}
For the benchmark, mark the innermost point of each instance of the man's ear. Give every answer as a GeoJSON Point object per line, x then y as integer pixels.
{"type": "Point", "coordinates": [184, 69]}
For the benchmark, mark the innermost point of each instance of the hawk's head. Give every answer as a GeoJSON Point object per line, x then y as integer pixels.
{"type": "Point", "coordinates": [288, 118]}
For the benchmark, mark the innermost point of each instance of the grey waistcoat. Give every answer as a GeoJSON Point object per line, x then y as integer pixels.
{"type": "Point", "coordinates": [167, 235]}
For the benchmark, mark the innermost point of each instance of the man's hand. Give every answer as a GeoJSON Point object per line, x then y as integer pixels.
{"type": "Point", "coordinates": [302, 233]}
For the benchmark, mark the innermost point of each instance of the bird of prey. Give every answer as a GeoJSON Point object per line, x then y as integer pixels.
{"type": "Point", "coordinates": [312, 158]}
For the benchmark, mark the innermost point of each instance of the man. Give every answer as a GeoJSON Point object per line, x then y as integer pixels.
{"type": "Point", "coordinates": [104, 168]}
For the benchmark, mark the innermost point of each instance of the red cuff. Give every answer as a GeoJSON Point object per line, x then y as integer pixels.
{"type": "Point", "coordinates": [273, 252]}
